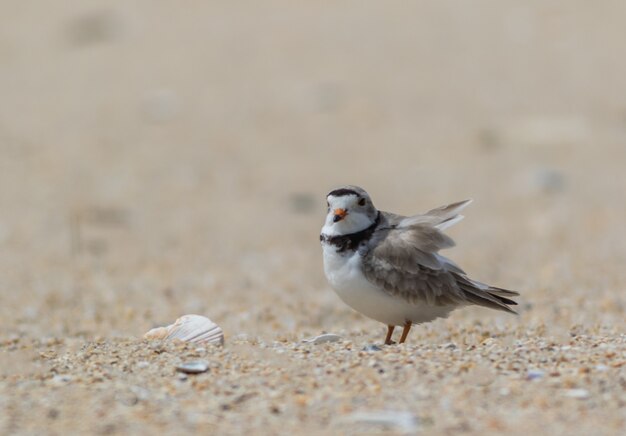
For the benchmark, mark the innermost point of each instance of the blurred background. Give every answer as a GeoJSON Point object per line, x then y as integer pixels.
{"type": "Point", "coordinates": [158, 159]}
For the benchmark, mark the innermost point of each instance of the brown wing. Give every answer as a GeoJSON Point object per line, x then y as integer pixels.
{"type": "Point", "coordinates": [403, 260]}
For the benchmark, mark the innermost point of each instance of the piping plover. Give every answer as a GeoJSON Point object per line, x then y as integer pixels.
{"type": "Point", "coordinates": [388, 266]}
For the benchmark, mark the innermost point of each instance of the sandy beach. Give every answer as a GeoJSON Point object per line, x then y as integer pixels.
{"type": "Point", "coordinates": [159, 160]}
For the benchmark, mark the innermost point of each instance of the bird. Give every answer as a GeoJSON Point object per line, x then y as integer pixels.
{"type": "Point", "coordinates": [388, 266]}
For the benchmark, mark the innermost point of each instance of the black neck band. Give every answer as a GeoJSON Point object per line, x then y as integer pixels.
{"type": "Point", "coordinates": [353, 240]}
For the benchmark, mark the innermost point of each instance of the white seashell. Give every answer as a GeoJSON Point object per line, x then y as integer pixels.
{"type": "Point", "coordinates": [321, 339]}
{"type": "Point", "coordinates": [189, 328]}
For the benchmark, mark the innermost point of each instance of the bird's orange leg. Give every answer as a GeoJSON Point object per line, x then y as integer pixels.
{"type": "Point", "coordinates": [388, 340]}
{"type": "Point", "coordinates": [405, 332]}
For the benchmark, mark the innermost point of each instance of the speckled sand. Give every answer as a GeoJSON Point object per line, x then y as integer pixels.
{"type": "Point", "coordinates": [159, 160]}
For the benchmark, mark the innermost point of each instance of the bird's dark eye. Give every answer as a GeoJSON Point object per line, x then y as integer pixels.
{"type": "Point", "coordinates": [362, 202]}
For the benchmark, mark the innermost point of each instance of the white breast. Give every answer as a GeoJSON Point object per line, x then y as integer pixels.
{"type": "Point", "coordinates": [345, 275]}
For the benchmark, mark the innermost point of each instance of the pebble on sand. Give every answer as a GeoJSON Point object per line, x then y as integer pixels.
{"type": "Point", "coordinates": [321, 339]}
{"type": "Point", "coordinates": [534, 374]}
{"type": "Point", "coordinates": [388, 419]}
{"type": "Point", "coordinates": [579, 394]}
{"type": "Point", "coordinates": [196, 367]}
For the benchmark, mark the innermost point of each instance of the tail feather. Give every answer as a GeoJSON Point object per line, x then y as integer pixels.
{"type": "Point", "coordinates": [485, 299]}
{"type": "Point", "coordinates": [504, 299]}
{"type": "Point", "coordinates": [488, 296]}
{"type": "Point", "coordinates": [501, 292]}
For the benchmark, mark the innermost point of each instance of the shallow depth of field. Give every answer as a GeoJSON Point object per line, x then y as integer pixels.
{"type": "Point", "coordinates": [160, 159]}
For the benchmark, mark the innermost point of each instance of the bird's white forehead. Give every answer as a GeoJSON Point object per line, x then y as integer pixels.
{"type": "Point", "coordinates": [342, 200]}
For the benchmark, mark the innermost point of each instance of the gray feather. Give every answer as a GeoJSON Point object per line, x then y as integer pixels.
{"type": "Point", "coordinates": [402, 258]}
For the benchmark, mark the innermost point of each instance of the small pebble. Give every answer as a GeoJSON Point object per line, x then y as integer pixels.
{"type": "Point", "coordinates": [195, 367]}
{"type": "Point", "coordinates": [143, 364]}
{"type": "Point", "coordinates": [580, 394]}
{"type": "Point", "coordinates": [140, 393]}
{"type": "Point", "coordinates": [321, 339]}
{"type": "Point", "coordinates": [404, 421]}
{"type": "Point", "coordinates": [61, 379]}
{"type": "Point", "coordinates": [535, 374]}
{"type": "Point", "coordinates": [372, 348]}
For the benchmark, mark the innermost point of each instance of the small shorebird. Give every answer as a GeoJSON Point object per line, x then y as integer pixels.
{"type": "Point", "coordinates": [388, 266]}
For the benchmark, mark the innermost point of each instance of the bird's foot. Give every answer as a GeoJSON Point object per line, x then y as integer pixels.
{"type": "Point", "coordinates": [388, 340]}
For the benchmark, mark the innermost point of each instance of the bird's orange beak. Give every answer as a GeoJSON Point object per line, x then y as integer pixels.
{"type": "Point", "coordinates": [339, 214]}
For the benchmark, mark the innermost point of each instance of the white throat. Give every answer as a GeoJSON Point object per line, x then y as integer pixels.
{"type": "Point", "coordinates": [347, 226]}
{"type": "Point", "coordinates": [354, 221]}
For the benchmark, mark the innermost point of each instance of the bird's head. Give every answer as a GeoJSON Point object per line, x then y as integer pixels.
{"type": "Point", "coordinates": [350, 210]}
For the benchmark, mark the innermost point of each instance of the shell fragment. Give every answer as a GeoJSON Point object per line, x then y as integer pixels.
{"type": "Point", "coordinates": [190, 328]}
{"type": "Point", "coordinates": [321, 339]}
